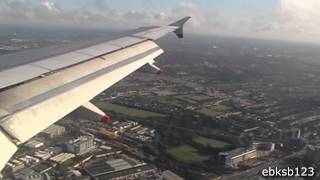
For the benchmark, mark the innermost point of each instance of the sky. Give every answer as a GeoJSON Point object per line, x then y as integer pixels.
{"type": "Point", "coordinates": [296, 20]}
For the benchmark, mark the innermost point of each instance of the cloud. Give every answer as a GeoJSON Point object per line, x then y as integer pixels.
{"type": "Point", "coordinates": [190, 8]}
{"type": "Point", "coordinates": [289, 19]}
{"type": "Point", "coordinates": [295, 20]}
{"type": "Point", "coordinates": [301, 10]}
{"type": "Point", "coordinates": [300, 16]}
{"type": "Point", "coordinates": [50, 5]}
{"type": "Point", "coordinates": [161, 16]}
{"type": "Point", "coordinates": [97, 14]}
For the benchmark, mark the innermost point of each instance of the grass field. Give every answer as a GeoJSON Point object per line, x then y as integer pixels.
{"type": "Point", "coordinates": [214, 110]}
{"type": "Point", "coordinates": [185, 98]}
{"type": "Point", "coordinates": [213, 143]}
{"type": "Point", "coordinates": [127, 110]}
{"type": "Point", "coordinates": [171, 101]}
{"type": "Point", "coordinates": [187, 154]}
{"type": "Point", "coordinates": [199, 97]}
{"type": "Point", "coordinates": [192, 98]}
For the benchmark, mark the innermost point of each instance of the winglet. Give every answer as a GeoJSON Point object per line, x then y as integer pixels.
{"type": "Point", "coordinates": [179, 24]}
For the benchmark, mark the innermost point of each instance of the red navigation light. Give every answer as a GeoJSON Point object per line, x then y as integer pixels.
{"type": "Point", "coordinates": [160, 72]}
{"type": "Point", "coordinates": [106, 119]}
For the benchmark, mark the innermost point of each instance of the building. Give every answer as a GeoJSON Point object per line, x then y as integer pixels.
{"type": "Point", "coordinates": [29, 159]}
{"type": "Point", "coordinates": [44, 155]}
{"type": "Point", "coordinates": [28, 174]}
{"type": "Point", "coordinates": [55, 150]}
{"type": "Point", "coordinates": [119, 164]}
{"type": "Point", "coordinates": [140, 172]}
{"type": "Point", "coordinates": [81, 145]}
{"type": "Point", "coordinates": [43, 167]}
{"type": "Point", "coordinates": [62, 157]}
{"type": "Point", "coordinates": [287, 134]}
{"type": "Point", "coordinates": [169, 175]}
{"type": "Point", "coordinates": [264, 148]}
{"type": "Point", "coordinates": [15, 165]}
{"type": "Point", "coordinates": [118, 169]}
{"type": "Point", "coordinates": [105, 151]}
{"type": "Point", "coordinates": [113, 134]}
{"type": "Point", "coordinates": [240, 155]}
{"type": "Point", "coordinates": [54, 130]}
{"type": "Point", "coordinates": [34, 144]}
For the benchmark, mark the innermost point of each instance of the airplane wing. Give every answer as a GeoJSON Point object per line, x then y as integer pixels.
{"type": "Point", "coordinates": [36, 94]}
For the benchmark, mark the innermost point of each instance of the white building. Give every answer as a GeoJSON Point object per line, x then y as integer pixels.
{"type": "Point", "coordinates": [54, 130]}
{"type": "Point", "coordinates": [81, 145]}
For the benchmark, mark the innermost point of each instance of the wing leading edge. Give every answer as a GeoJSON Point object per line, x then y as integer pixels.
{"type": "Point", "coordinates": [35, 95]}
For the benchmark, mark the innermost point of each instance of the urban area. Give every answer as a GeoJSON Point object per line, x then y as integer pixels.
{"type": "Point", "coordinates": [225, 108]}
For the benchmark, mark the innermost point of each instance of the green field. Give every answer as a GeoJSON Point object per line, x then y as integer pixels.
{"type": "Point", "coordinates": [213, 143]}
{"type": "Point", "coordinates": [107, 107]}
{"type": "Point", "coordinates": [192, 98]}
{"type": "Point", "coordinates": [199, 97]}
{"type": "Point", "coordinates": [185, 98]}
{"type": "Point", "coordinates": [214, 110]}
{"type": "Point", "coordinates": [171, 101]}
{"type": "Point", "coordinates": [187, 154]}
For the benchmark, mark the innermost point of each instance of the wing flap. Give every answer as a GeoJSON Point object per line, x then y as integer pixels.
{"type": "Point", "coordinates": [61, 61]}
{"type": "Point", "coordinates": [98, 50]}
{"type": "Point", "coordinates": [126, 41]}
{"type": "Point", "coordinates": [20, 74]}
{"type": "Point", "coordinates": [156, 33]}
